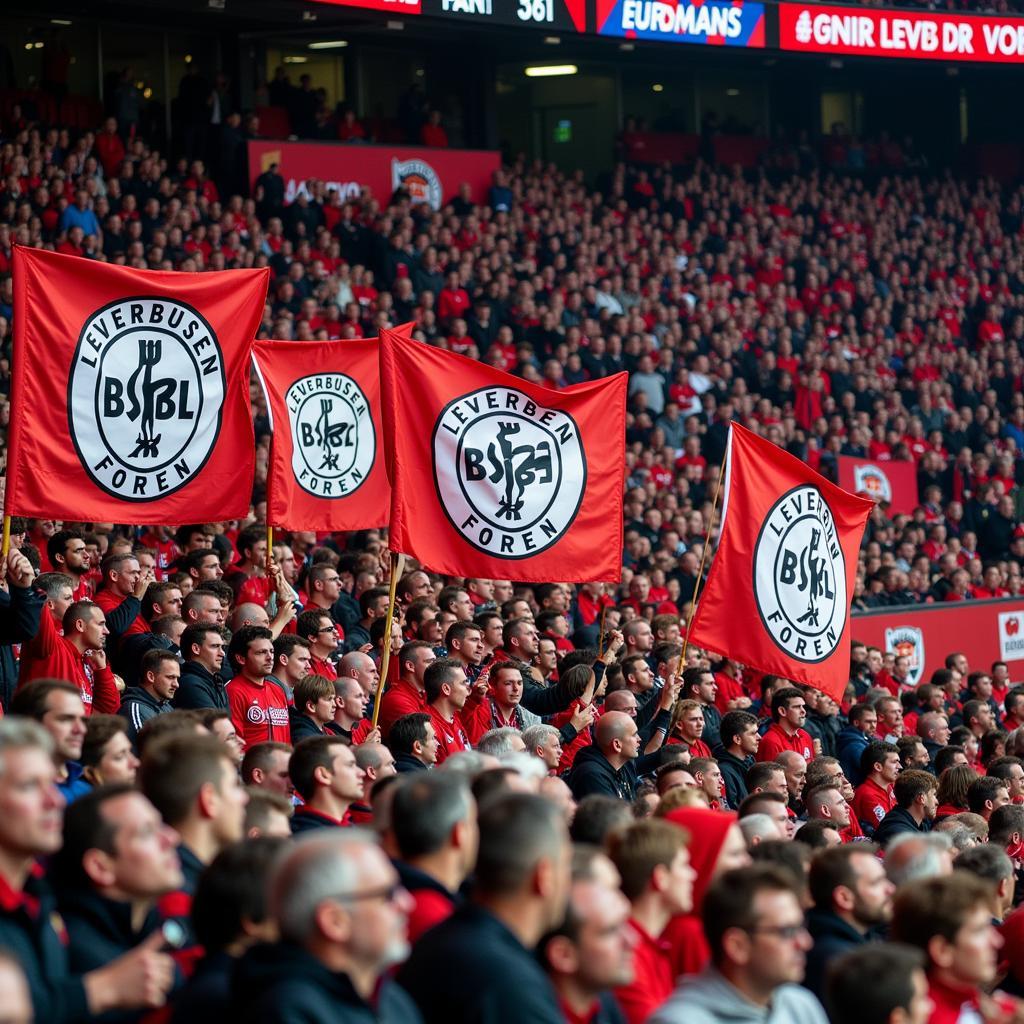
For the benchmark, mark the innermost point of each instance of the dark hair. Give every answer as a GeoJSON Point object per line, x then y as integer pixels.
{"type": "Point", "coordinates": [152, 660]}
{"type": "Point", "coordinates": [791, 856]}
{"type": "Point", "coordinates": [812, 832]}
{"type": "Point", "coordinates": [781, 698]}
{"type": "Point", "coordinates": [865, 985]}
{"type": "Point", "coordinates": [86, 829]}
{"type": "Point", "coordinates": [729, 901]}
{"type": "Point", "coordinates": [928, 907]}
{"type": "Point", "coordinates": [259, 756]}
{"type": "Point", "coordinates": [875, 753]}
{"type": "Point", "coordinates": [760, 773]}
{"type": "Point", "coordinates": [439, 672]}
{"type": "Point", "coordinates": [1004, 822]}
{"type": "Point", "coordinates": [409, 729]}
{"type": "Point", "coordinates": [239, 645]}
{"type": "Point", "coordinates": [982, 790]}
{"type": "Point", "coordinates": [248, 538]}
{"type": "Point", "coordinates": [99, 731]}
{"type": "Point", "coordinates": [944, 758]}
{"type": "Point", "coordinates": [425, 808]}
{"type": "Point", "coordinates": [30, 700]}
{"type": "Point", "coordinates": [367, 597]}
{"type": "Point", "coordinates": [308, 755]}
{"type": "Point", "coordinates": [753, 800]}
{"type": "Point", "coordinates": [232, 890]}
{"type": "Point", "coordinates": [285, 645]}
{"type": "Point", "coordinates": [458, 630]}
{"type": "Point", "coordinates": [57, 544]}
{"type": "Point", "coordinates": [516, 831]}
{"type": "Point", "coordinates": [307, 624]}
{"type": "Point", "coordinates": [194, 559]}
{"type": "Point", "coordinates": [832, 868]}
{"type": "Point", "coordinates": [176, 768]}
{"type": "Point", "coordinates": [735, 723]}
{"type": "Point", "coordinates": [196, 634]}
{"type": "Point", "coordinates": [912, 784]}
{"type": "Point", "coordinates": [597, 817]}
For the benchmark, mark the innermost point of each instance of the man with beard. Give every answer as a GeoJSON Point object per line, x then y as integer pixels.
{"type": "Point", "coordinates": [851, 896]}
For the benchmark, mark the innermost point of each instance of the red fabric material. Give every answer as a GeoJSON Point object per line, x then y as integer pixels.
{"type": "Point", "coordinates": [259, 711]}
{"type": "Point", "coordinates": [775, 741]}
{"type": "Point", "coordinates": [564, 520]}
{"type": "Point", "coordinates": [297, 376]}
{"type": "Point", "coordinates": [430, 908]}
{"type": "Point", "coordinates": [399, 700]}
{"type": "Point", "coordinates": [451, 737]}
{"type": "Point", "coordinates": [753, 607]}
{"type": "Point", "coordinates": [80, 328]}
{"type": "Point", "coordinates": [872, 803]}
{"type": "Point", "coordinates": [108, 601]}
{"type": "Point", "coordinates": [653, 979]}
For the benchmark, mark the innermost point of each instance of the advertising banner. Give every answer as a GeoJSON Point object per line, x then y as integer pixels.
{"type": "Point", "coordinates": [985, 631]}
{"type": "Point", "coordinates": [564, 15]}
{"type": "Point", "coordinates": [678, 21]}
{"type": "Point", "coordinates": [894, 483]}
{"type": "Point", "coordinates": [875, 32]}
{"type": "Point", "coordinates": [431, 176]}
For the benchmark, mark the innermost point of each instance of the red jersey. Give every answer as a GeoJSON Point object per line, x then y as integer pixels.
{"type": "Point", "coordinates": [323, 667]}
{"type": "Point", "coordinates": [653, 978]}
{"type": "Point", "coordinates": [398, 701]}
{"type": "Point", "coordinates": [775, 741]}
{"type": "Point", "coordinates": [728, 689]}
{"type": "Point", "coordinates": [871, 803]}
{"type": "Point", "coordinates": [48, 655]}
{"type": "Point", "coordinates": [451, 737]}
{"type": "Point", "coordinates": [108, 601]}
{"type": "Point", "coordinates": [259, 711]}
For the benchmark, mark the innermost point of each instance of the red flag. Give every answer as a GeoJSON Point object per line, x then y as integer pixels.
{"type": "Point", "coordinates": [778, 594]}
{"type": "Point", "coordinates": [326, 464]}
{"type": "Point", "coordinates": [495, 477]}
{"type": "Point", "coordinates": [894, 483]}
{"type": "Point", "coordinates": [131, 391]}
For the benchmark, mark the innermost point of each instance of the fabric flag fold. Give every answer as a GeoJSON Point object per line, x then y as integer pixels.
{"type": "Point", "coordinates": [778, 594]}
{"type": "Point", "coordinates": [130, 391]}
{"type": "Point", "coordinates": [495, 477]}
{"type": "Point", "coordinates": [326, 465]}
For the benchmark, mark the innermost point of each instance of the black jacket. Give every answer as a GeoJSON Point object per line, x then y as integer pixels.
{"type": "Point", "coordinates": [27, 932]}
{"type": "Point", "coordinates": [133, 648]}
{"type": "Point", "coordinates": [413, 880]}
{"type": "Point", "coordinates": [283, 984]}
{"type": "Point", "coordinates": [896, 823]}
{"type": "Point", "coordinates": [306, 820]}
{"type": "Point", "coordinates": [200, 688]}
{"type": "Point", "coordinates": [832, 937]}
{"type": "Point", "coordinates": [475, 971]}
{"type": "Point", "coordinates": [138, 706]}
{"type": "Point", "coordinates": [734, 772]}
{"type": "Point", "coordinates": [592, 773]}
{"type": "Point", "coordinates": [408, 763]}
{"type": "Point", "coordinates": [19, 621]}
{"type": "Point", "coordinates": [712, 734]}
{"type": "Point", "coordinates": [206, 997]}
{"type": "Point", "coordinates": [302, 726]}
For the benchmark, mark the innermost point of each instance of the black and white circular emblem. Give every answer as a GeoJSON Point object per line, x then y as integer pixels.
{"type": "Point", "coordinates": [145, 393]}
{"type": "Point", "coordinates": [333, 438]}
{"type": "Point", "coordinates": [800, 576]}
{"type": "Point", "coordinates": [510, 474]}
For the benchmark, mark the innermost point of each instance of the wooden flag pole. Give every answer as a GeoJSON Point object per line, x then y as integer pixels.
{"type": "Point", "coordinates": [7, 538]}
{"type": "Point", "coordinates": [600, 635]}
{"type": "Point", "coordinates": [700, 571]}
{"type": "Point", "coordinates": [270, 545]}
{"type": "Point", "coordinates": [397, 564]}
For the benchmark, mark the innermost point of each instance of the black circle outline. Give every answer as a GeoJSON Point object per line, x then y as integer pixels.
{"type": "Point", "coordinates": [753, 576]}
{"type": "Point", "coordinates": [437, 490]}
{"type": "Point", "coordinates": [789, 529]}
{"type": "Point", "coordinates": [369, 419]}
{"type": "Point", "coordinates": [96, 402]}
{"type": "Point", "coordinates": [71, 375]}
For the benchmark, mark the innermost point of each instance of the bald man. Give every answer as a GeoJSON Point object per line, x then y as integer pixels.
{"type": "Point", "coordinates": [611, 764]}
{"type": "Point", "coordinates": [251, 614]}
{"type": "Point", "coordinates": [360, 666]}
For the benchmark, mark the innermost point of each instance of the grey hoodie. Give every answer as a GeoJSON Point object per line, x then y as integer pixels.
{"type": "Point", "coordinates": [708, 998]}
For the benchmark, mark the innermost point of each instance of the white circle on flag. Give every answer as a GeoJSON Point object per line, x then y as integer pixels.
{"type": "Point", "coordinates": [333, 438]}
{"type": "Point", "coordinates": [145, 395]}
{"type": "Point", "coordinates": [800, 576]}
{"type": "Point", "coordinates": [510, 474]}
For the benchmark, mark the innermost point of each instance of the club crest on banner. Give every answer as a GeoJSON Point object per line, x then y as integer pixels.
{"type": "Point", "coordinates": [419, 179]}
{"type": "Point", "coordinates": [334, 441]}
{"type": "Point", "coordinates": [145, 395]}
{"type": "Point", "coordinates": [510, 474]}
{"type": "Point", "coordinates": [872, 481]}
{"type": "Point", "coordinates": [1011, 636]}
{"type": "Point", "coordinates": [800, 576]}
{"type": "Point", "coordinates": [907, 642]}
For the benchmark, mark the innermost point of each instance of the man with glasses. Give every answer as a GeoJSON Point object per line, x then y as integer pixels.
{"type": "Point", "coordinates": [342, 916]}
{"type": "Point", "coordinates": [317, 628]}
{"type": "Point", "coordinates": [759, 944]}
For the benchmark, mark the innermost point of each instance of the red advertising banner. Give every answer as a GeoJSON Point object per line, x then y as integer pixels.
{"type": "Point", "coordinates": [403, 7]}
{"type": "Point", "coordinates": [874, 32]}
{"type": "Point", "coordinates": [985, 631]}
{"type": "Point", "coordinates": [431, 176]}
{"type": "Point", "coordinates": [894, 483]}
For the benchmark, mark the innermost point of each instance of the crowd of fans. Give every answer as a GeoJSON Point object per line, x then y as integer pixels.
{"type": "Point", "coordinates": [594, 822]}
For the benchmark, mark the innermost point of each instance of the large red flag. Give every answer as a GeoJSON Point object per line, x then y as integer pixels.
{"type": "Point", "coordinates": [326, 464]}
{"type": "Point", "coordinates": [779, 590]}
{"type": "Point", "coordinates": [893, 483]}
{"type": "Point", "coordinates": [495, 477]}
{"type": "Point", "coordinates": [131, 391]}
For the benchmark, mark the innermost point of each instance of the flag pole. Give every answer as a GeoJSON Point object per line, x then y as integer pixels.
{"type": "Point", "coordinates": [270, 545]}
{"type": "Point", "coordinates": [703, 559]}
{"type": "Point", "coordinates": [600, 635]}
{"type": "Point", "coordinates": [397, 563]}
{"type": "Point", "coordinates": [7, 537]}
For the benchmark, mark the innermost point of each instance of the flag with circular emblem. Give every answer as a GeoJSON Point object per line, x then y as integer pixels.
{"type": "Point", "coordinates": [778, 594]}
{"type": "Point", "coordinates": [130, 391]}
{"type": "Point", "coordinates": [493, 476]}
{"type": "Point", "coordinates": [326, 468]}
